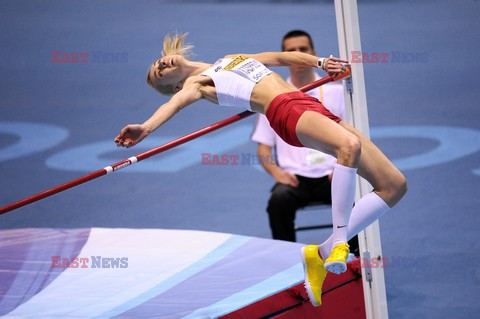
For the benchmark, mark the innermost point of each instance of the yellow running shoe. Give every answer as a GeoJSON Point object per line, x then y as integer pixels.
{"type": "Point", "coordinates": [337, 261]}
{"type": "Point", "coordinates": [315, 273]}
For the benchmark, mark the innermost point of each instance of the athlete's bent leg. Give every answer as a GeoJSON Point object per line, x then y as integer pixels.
{"type": "Point", "coordinates": [316, 131]}
{"type": "Point", "coordinates": [389, 187]}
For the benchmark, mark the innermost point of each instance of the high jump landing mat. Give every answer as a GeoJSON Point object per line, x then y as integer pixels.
{"type": "Point", "coordinates": [162, 273]}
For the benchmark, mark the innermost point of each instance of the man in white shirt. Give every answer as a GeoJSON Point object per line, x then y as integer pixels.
{"type": "Point", "coordinates": [302, 175]}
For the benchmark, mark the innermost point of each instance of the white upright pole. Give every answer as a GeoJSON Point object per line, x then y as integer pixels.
{"type": "Point", "coordinates": [348, 30]}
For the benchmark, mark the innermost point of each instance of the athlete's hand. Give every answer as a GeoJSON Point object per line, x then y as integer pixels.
{"type": "Point", "coordinates": [284, 177]}
{"type": "Point", "coordinates": [335, 66]}
{"type": "Point", "coordinates": [131, 135]}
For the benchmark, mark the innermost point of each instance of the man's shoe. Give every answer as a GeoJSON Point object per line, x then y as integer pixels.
{"type": "Point", "coordinates": [315, 273]}
{"type": "Point", "coordinates": [337, 261]}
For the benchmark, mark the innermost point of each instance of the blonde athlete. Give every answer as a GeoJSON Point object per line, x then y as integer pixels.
{"type": "Point", "coordinates": [243, 80]}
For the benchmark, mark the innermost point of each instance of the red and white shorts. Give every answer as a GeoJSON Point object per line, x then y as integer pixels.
{"type": "Point", "coordinates": [285, 110]}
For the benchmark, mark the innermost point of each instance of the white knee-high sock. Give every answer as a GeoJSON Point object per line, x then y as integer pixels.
{"type": "Point", "coordinates": [343, 196]}
{"type": "Point", "coordinates": [367, 210]}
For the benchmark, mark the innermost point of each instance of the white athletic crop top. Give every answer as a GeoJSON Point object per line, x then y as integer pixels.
{"type": "Point", "coordinates": [235, 78]}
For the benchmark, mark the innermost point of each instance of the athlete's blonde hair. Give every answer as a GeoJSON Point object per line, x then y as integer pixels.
{"type": "Point", "coordinates": [175, 44]}
{"type": "Point", "coordinates": [172, 45]}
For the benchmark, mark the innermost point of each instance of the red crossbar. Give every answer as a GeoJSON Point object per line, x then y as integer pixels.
{"type": "Point", "coordinates": [152, 152]}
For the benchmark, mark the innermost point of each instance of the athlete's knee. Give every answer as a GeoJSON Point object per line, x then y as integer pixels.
{"type": "Point", "coordinates": [349, 151]}
{"type": "Point", "coordinates": [401, 186]}
{"type": "Point", "coordinates": [397, 188]}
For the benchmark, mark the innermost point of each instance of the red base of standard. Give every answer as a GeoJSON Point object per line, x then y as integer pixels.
{"type": "Point", "coordinates": [342, 298]}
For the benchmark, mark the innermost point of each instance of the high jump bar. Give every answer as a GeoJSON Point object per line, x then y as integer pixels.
{"type": "Point", "coordinates": [154, 151]}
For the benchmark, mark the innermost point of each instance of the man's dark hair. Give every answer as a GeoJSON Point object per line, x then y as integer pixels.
{"type": "Point", "coordinates": [297, 33]}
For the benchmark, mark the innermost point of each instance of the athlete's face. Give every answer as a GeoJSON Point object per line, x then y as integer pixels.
{"type": "Point", "coordinates": [299, 44]}
{"type": "Point", "coordinates": [167, 71]}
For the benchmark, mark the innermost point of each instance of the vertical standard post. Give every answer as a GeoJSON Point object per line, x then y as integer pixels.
{"type": "Point", "coordinates": [348, 31]}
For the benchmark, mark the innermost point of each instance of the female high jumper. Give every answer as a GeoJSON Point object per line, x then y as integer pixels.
{"type": "Point", "coordinates": [244, 81]}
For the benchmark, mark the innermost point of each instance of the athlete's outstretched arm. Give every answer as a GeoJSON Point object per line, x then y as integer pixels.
{"type": "Point", "coordinates": [334, 65]}
{"type": "Point", "coordinates": [133, 134]}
